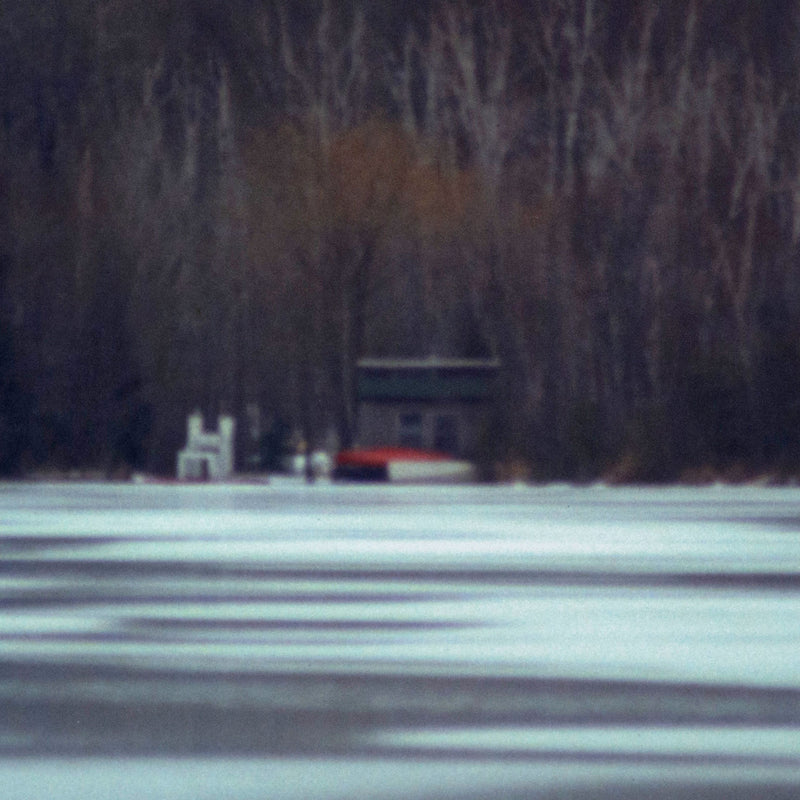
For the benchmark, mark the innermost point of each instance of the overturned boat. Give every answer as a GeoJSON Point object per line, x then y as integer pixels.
{"type": "Point", "coordinates": [401, 465]}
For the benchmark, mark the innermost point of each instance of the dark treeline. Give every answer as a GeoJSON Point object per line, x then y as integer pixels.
{"type": "Point", "coordinates": [225, 203]}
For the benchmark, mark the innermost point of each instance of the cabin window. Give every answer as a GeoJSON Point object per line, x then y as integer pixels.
{"type": "Point", "coordinates": [410, 434]}
{"type": "Point", "coordinates": [445, 434]}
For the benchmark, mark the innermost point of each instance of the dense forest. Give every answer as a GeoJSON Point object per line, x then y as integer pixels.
{"type": "Point", "coordinates": [224, 204]}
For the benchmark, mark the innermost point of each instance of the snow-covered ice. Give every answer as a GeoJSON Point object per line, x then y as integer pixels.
{"type": "Point", "coordinates": [579, 632]}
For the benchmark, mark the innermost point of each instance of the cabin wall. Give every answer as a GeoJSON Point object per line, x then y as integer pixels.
{"type": "Point", "coordinates": [451, 427]}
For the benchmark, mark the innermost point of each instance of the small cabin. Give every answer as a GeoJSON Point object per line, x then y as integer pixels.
{"type": "Point", "coordinates": [437, 404]}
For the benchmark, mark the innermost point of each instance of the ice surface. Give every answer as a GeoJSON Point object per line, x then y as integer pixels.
{"type": "Point", "coordinates": [390, 635]}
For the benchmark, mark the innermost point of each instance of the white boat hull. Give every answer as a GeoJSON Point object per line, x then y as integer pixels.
{"type": "Point", "coordinates": [430, 472]}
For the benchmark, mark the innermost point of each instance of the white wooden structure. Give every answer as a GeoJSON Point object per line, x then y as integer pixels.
{"type": "Point", "coordinates": [207, 455]}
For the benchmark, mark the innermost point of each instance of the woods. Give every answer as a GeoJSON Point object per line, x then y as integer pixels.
{"type": "Point", "coordinates": [224, 205]}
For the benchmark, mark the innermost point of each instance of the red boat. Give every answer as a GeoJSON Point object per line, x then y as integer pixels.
{"type": "Point", "coordinates": [401, 465]}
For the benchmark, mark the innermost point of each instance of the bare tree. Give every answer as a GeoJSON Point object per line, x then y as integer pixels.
{"type": "Point", "coordinates": [562, 43]}
{"type": "Point", "coordinates": [748, 136]}
{"type": "Point", "coordinates": [324, 71]}
{"type": "Point", "coordinates": [334, 200]}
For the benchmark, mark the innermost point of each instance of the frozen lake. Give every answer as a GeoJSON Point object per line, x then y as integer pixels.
{"type": "Point", "coordinates": [287, 641]}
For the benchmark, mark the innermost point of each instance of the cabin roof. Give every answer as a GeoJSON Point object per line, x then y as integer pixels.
{"type": "Point", "coordinates": [425, 380]}
{"type": "Point", "coordinates": [432, 362]}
